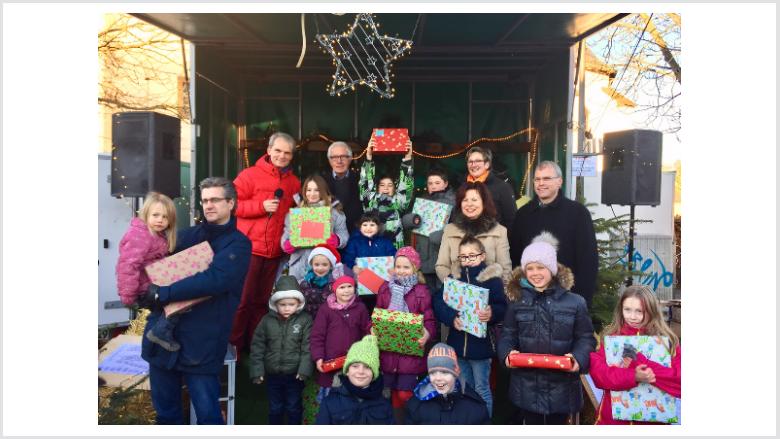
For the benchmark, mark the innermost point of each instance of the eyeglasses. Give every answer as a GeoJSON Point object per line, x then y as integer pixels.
{"type": "Point", "coordinates": [214, 200]}
{"type": "Point", "coordinates": [469, 258]}
{"type": "Point", "coordinates": [475, 162]}
{"type": "Point", "coordinates": [340, 157]}
{"type": "Point", "coordinates": [544, 179]}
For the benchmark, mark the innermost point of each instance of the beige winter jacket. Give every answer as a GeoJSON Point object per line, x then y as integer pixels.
{"type": "Point", "coordinates": [496, 250]}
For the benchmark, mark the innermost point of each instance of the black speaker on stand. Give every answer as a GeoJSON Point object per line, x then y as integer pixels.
{"type": "Point", "coordinates": [632, 174]}
{"type": "Point", "coordinates": [145, 154]}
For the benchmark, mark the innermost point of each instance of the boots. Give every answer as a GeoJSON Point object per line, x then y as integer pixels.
{"type": "Point", "coordinates": [162, 334]}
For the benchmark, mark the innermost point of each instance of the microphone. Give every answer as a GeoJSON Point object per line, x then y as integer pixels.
{"type": "Point", "coordinates": [277, 196]}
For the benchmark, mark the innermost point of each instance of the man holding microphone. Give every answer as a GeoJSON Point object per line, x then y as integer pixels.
{"type": "Point", "coordinates": [265, 195]}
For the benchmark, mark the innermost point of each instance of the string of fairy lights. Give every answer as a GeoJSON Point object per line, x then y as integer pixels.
{"type": "Point", "coordinates": [532, 131]}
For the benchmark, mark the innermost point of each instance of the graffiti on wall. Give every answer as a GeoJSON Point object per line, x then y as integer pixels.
{"type": "Point", "coordinates": [653, 269]}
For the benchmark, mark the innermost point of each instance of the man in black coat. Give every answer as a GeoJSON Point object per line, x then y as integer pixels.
{"type": "Point", "coordinates": [343, 183]}
{"type": "Point", "coordinates": [569, 221]}
{"type": "Point", "coordinates": [479, 166]}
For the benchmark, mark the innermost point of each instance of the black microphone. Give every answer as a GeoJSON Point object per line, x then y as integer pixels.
{"type": "Point", "coordinates": [277, 196]}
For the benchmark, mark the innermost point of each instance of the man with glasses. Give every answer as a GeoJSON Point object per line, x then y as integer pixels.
{"type": "Point", "coordinates": [202, 331]}
{"type": "Point", "coordinates": [569, 221]}
{"type": "Point", "coordinates": [479, 167]}
{"type": "Point", "coordinates": [265, 195]}
{"type": "Point", "coordinates": [343, 183]}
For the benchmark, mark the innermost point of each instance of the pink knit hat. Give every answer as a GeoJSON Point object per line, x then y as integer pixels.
{"type": "Point", "coordinates": [542, 250]}
{"type": "Point", "coordinates": [411, 254]}
{"type": "Point", "coordinates": [343, 280]}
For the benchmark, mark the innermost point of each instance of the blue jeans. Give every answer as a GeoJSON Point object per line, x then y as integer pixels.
{"type": "Point", "coordinates": [166, 396]}
{"type": "Point", "coordinates": [284, 395]}
{"type": "Point", "coordinates": [477, 373]}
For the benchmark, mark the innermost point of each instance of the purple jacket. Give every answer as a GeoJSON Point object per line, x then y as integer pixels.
{"type": "Point", "coordinates": [333, 333]}
{"type": "Point", "coordinates": [419, 302]}
{"type": "Point", "coordinates": [137, 249]}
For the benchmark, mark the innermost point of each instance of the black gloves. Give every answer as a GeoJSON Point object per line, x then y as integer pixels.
{"type": "Point", "coordinates": [629, 352]}
{"type": "Point", "coordinates": [148, 299]}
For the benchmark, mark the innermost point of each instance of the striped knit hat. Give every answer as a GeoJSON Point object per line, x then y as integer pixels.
{"type": "Point", "coordinates": [442, 357]}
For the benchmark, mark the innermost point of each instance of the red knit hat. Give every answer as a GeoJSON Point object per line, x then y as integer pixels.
{"type": "Point", "coordinates": [343, 280]}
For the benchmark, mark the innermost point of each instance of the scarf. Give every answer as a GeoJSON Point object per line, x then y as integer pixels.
{"type": "Point", "coordinates": [334, 304]}
{"type": "Point", "coordinates": [317, 281]}
{"type": "Point", "coordinates": [431, 392]}
{"type": "Point", "coordinates": [373, 391]}
{"type": "Point", "coordinates": [399, 288]}
{"type": "Point", "coordinates": [480, 179]}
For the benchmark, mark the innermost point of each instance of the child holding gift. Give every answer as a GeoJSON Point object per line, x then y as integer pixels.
{"type": "Point", "coordinates": [314, 193]}
{"type": "Point", "coordinates": [388, 200]}
{"type": "Point", "coordinates": [405, 292]}
{"type": "Point", "coordinates": [638, 312]}
{"type": "Point", "coordinates": [544, 317]}
{"type": "Point", "coordinates": [151, 237]}
{"type": "Point", "coordinates": [367, 242]}
{"type": "Point", "coordinates": [474, 353]}
{"type": "Point", "coordinates": [341, 321]}
{"type": "Point", "coordinates": [280, 352]}
{"type": "Point", "coordinates": [357, 392]}
{"type": "Point", "coordinates": [443, 398]}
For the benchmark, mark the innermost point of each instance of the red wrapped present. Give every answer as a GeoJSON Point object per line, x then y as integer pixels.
{"type": "Point", "coordinates": [334, 364]}
{"type": "Point", "coordinates": [370, 280]}
{"type": "Point", "coordinates": [540, 361]}
{"type": "Point", "coordinates": [390, 140]}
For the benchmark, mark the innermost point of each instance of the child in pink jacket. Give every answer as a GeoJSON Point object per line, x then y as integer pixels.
{"type": "Point", "coordinates": [151, 237]}
{"type": "Point", "coordinates": [638, 312]}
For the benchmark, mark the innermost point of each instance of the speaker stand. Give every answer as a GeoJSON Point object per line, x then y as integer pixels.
{"type": "Point", "coordinates": [630, 279]}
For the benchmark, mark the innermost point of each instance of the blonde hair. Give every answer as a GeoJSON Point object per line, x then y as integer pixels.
{"type": "Point", "coordinates": [153, 198]}
{"type": "Point", "coordinates": [325, 196]}
{"type": "Point", "coordinates": [653, 322]}
{"type": "Point", "coordinates": [420, 275]}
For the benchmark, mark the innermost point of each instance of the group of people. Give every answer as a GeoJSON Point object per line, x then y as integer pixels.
{"type": "Point", "coordinates": [294, 310]}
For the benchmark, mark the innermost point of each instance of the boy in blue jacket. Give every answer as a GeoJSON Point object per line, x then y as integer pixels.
{"type": "Point", "coordinates": [475, 354]}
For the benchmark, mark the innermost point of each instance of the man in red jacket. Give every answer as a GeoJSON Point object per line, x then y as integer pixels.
{"type": "Point", "coordinates": [265, 195]}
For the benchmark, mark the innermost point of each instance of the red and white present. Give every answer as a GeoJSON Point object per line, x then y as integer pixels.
{"type": "Point", "coordinates": [179, 266]}
{"type": "Point", "coordinates": [334, 364]}
{"type": "Point", "coordinates": [390, 140]}
{"type": "Point", "coordinates": [540, 361]}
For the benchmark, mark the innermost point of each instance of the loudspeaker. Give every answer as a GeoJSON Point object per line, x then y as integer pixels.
{"type": "Point", "coordinates": [632, 168]}
{"type": "Point", "coordinates": [145, 154]}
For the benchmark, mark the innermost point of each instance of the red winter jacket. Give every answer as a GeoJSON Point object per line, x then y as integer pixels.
{"type": "Point", "coordinates": [617, 378]}
{"type": "Point", "coordinates": [255, 185]}
{"type": "Point", "coordinates": [137, 249]}
{"type": "Point", "coordinates": [418, 300]}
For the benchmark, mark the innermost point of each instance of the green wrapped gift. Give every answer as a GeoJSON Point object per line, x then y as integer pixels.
{"type": "Point", "coordinates": [398, 331]}
{"type": "Point", "coordinates": [309, 226]}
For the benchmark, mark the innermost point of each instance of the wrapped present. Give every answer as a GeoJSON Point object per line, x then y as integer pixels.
{"type": "Point", "coordinates": [309, 226]}
{"type": "Point", "coordinates": [179, 266]}
{"type": "Point", "coordinates": [644, 402]}
{"type": "Point", "coordinates": [434, 216]}
{"type": "Point", "coordinates": [379, 272]}
{"type": "Point", "coordinates": [309, 401]}
{"type": "Point", "coordinates": [398, 331]}
{"type": "Point", "coordinates": [390, 140]}
{"type": "Point", "coordinates": [540, 361]}
{"type": "Point", "coordinates": [334, 364]}
{"type": "Point", "coordinates": [467, 299]}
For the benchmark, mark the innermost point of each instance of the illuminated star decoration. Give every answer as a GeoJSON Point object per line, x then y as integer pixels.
{"type": "Point", "coordinates": [363, 56]}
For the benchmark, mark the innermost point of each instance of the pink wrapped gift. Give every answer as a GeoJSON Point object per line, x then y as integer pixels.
{"type": "Point", "coordinates": [176, 267]}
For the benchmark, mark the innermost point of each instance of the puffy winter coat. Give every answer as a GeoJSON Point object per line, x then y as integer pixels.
{"type": "Point", "coordinates": [616, 378]}
{"type": "Point", "coordinates": [349, 405]}
{"type": "Point", "coordinates": [281, 346]}
{"type": "Point", "coordinates": [298, 259]}
{"type": "Point", "coordinates": [418, 300]}
{"type": "Point", "coordinates": [555, 322]}
{"type": "Point", "coordinates": [137, 249]}
{"type": "Point", "coordinates": [334, 331]}
{"type": "Point", "coordinates": [203, 331]}
{"type": "Point", "coordinates": [467, 345]}
{"type": "Point", "coordinates": [428, 246]}
{"type": "Point", "coordinates": [462, 407]}
{"type": "Point", "coordinates": [487, 230]}
{"type": "Point", "coordinates": [255, 185]}
{"type": "Point", "coordinates": [359, 246]}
